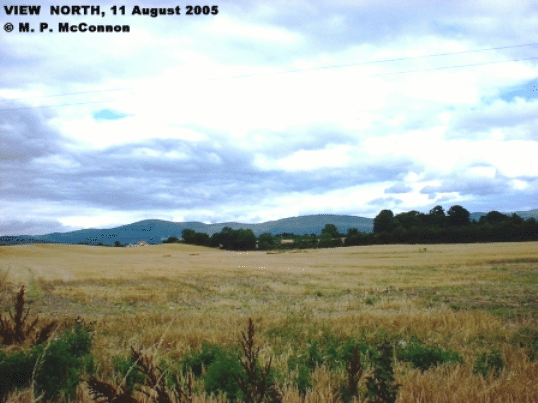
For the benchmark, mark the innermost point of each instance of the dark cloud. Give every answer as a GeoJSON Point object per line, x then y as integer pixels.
{"type": "Point", "coordinates": [24, 135]}
{"type": "Point", "coordinates": [510, 200]}
{"type": "Point", "coordinates": [514, 114]}
{"type": "Point", "coordinates": [473, 187]}
{"type": "Point", "coordinates": [398, 188]}
{"type": "Point", "coordinates": [468, 186]}
{"type": "Point", "coordinates": [163, 174]}
{"type": "Point", "coordinates": [32, 227]}
{"type": "Point", "coordinates": [383, 203]}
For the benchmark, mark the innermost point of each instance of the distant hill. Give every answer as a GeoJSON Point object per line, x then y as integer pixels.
{"type": "Point", "coordinates": [523, 214]}
{"type": "Point", "coordinates": [528, 214]}
{"type": "Point", "coordinates": [155, 231]}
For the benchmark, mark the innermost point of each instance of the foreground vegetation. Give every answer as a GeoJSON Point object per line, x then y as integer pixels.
{"type": "Point", "coordinates": [451, 323]}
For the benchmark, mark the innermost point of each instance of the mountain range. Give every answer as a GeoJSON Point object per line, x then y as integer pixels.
{"type": "Point", "coordinates": [155, 231]}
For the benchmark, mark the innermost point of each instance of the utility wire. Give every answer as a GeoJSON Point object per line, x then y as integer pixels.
{"type": "Point", "coordinates": [379, 61]}
{"type": "Point", "coordinates": [449, 67]}
{"type": "Point", "coordinates": [63, 95]}
{"type": "Point", "coordinates": [54, 106]}
{"type": "Point", "coordinates": [310, 69]}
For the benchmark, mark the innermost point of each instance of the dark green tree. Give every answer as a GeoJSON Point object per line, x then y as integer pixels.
{"type": "Point", "coordinates": [516, 220]}
{"type": "Point", "coordinates": [330, 231]}
{"type": "Point", "coordinates": [171, 239]}
{"type": "Point", "coordinates": [458, 216]}
{"type": "Point", "coordinates": [244, 239]}
{"type": "Point", "coordinates": [266, 241]}
{"type": "Point", "coordinates": [437, 217]}
{"type": "Point", "coordinates": [224, 238]}
{"type": "Point", "coordinates": [410, 219]}
{"type": "Point", "coordinates": [494, 217]}
{"type": "Point", "coordinates": [384, 222]}
{"type": "Point", "coordinates": [188, 235]}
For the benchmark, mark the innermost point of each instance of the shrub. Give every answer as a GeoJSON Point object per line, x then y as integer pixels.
{"type": "Point", "coordinates": [527, 338]}
{"type": "Point", "coordinates": [487, 362]}
{"type": "Point", "coordinates": [56, 367]}
{"type": "Point", "coordinates": [380, 385]}
{"type": "Point", "coordinates": [202, 358]}
{"type": "Point", "coordinates": [424, 357]}
{"type": "Point", "coordinates": [126, 367]}
{"type": "Point", "coordinates": [221, 374]}
{"type": "Point", "coordinates": [172, 239]}
{"type": "Point", "coordinates": [15, 371]}
{"type": "Point", "coordinates": [303, 373]}
{"type": "Point", "coordinates": [61, 363]}
{"type": "Point", "coordinates": [315, 357]}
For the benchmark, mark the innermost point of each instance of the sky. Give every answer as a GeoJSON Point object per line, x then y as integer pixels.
{"type": "Point", "coordinates": [267, 110]}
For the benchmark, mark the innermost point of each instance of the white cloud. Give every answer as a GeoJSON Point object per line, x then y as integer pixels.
{"type": "Point", "coordinates": [316, 159]}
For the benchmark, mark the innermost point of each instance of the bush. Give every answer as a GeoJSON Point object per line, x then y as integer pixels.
{"type": "Point", "coordinates": [303, 373]}
{"type": "Point", "coordinates": [222, 372]}
{"type": "Point", "coordinates": [202, 358]}
{"type": "Point", "coordinates": [172, 239]}
{"type": "Point", "coordinates": [315, 357]}
{"type": "Point", "coordinates": [486, 362]}
{"type": "Point", "coordinates": [380, 386]}
{"type": "Point", "coordinates": [424, 357]}
{"type": "Point", "coordinates": [15, 371]}
{"type": "Point", "coordinates": [57, 366]}
{"type": "Point", "coordinates": [61, 364]}
{"type": "Point", "coordinates": [127, 368]}
{"type": "Point", "coordinates": [527, 338]}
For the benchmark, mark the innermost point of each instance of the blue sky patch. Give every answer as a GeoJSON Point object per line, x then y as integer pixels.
{"type": "Point", "coordinates": [107, 114]}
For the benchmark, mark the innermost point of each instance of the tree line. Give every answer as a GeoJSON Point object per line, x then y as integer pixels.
{"type": "Point", "coordinates": [437, 226]}
{"type": "Point", "coordinates": [454, 226]}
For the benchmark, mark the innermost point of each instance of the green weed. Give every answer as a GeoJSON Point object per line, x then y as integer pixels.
{"type": "Point", "coordinates": [425, 357]}
{"type": "Point", "coordinates": [489, 362]}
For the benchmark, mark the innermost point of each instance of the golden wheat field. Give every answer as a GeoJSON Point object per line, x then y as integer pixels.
{"type": "Point", "coordinates": [169, 299]}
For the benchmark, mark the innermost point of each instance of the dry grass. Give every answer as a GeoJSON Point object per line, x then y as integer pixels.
{"type": "Point", "coordinates": [468, 298]}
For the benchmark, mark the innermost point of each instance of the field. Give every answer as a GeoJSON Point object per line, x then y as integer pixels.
{"type": "Point", "coordinates": [473, 300]}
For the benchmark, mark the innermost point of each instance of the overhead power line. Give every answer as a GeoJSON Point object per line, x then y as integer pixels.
{"type": "Point", "coordinates": [449, 67]}
{"type": "Point", "coordinates": [63, 95]}
{"type": "Point", "coordinates": [54, 106]}
{"type": "Point", "coordinates": [338, 66]}
{"type": "Point", "coordinates": [309, 69]}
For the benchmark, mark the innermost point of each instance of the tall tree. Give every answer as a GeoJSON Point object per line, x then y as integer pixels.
{"type": "Point", "coordinates": [384, 222]}
{"type": "Point", "coordinates": [458, 216]}
{"type": "Point", "coordinates": [411, 219]}
{"type": "Point", "coordinates": [266, 241]}
{"type": "Point", "coordinates": [437, 217]}
{"type": "Point", "coordinates": [330, 231]}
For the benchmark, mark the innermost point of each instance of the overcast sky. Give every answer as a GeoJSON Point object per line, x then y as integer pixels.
{"type": "Point", "coordinates": [266, 110]}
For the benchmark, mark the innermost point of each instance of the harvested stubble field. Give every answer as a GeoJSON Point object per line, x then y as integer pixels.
{"type": "Point", "coordinates": [473, 299]}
